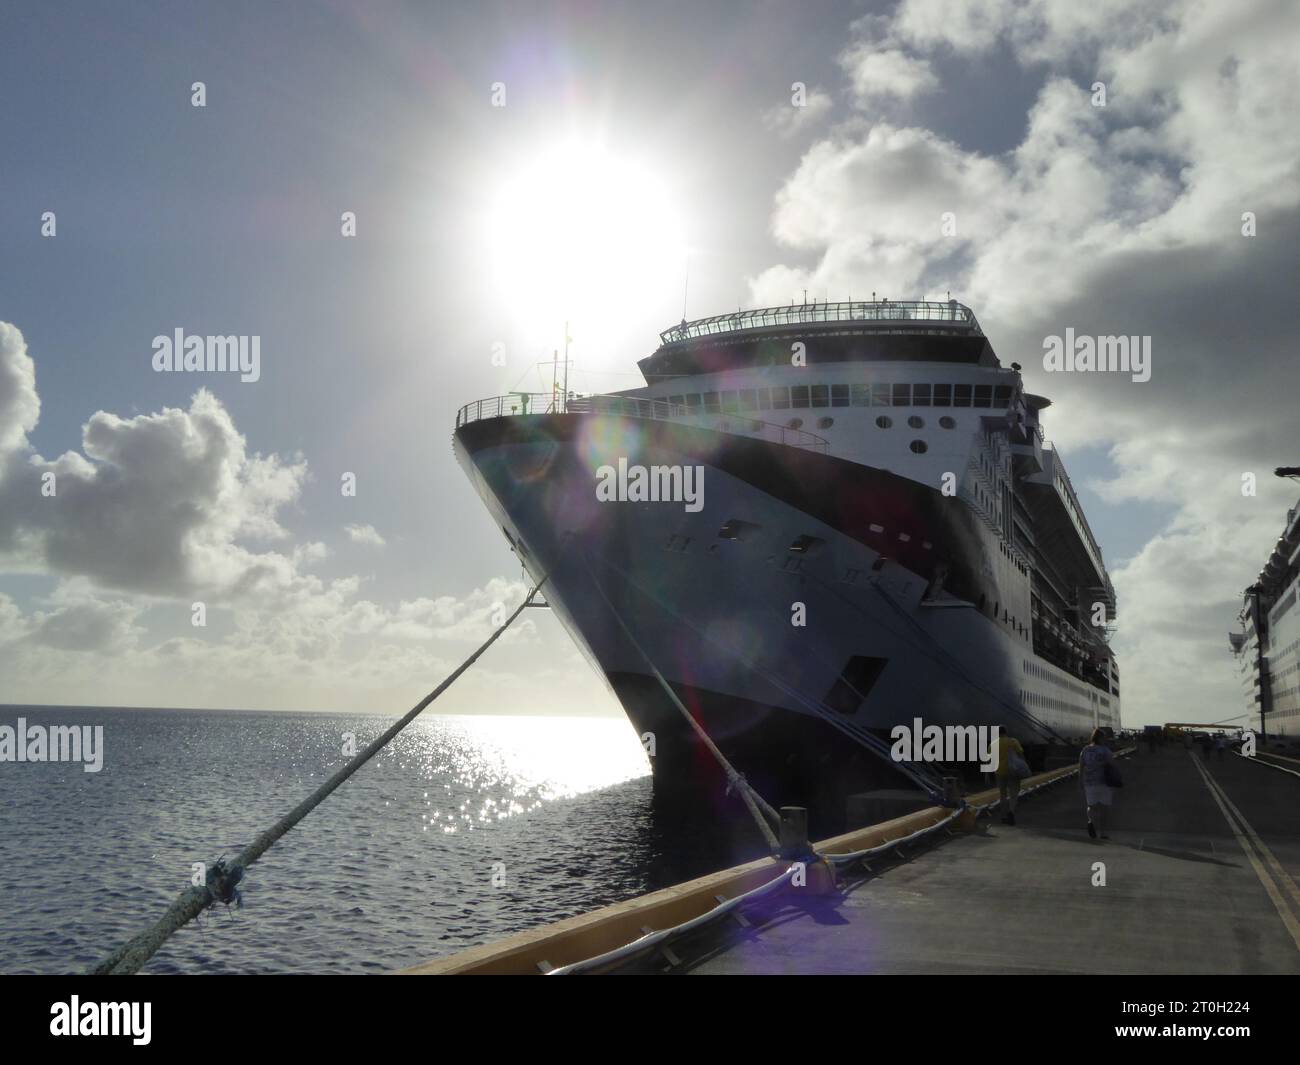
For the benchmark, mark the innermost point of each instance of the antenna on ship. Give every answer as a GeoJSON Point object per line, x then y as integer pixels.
{"type": "Point", "coordinates": [686, 285]}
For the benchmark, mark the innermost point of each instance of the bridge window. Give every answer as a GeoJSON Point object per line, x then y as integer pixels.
{"type": "Point", "coordinates": [711, 402]}
{"type": "Point", "coordinates": [880, 395]}
{"type": "Point", "coordinates": [1002, 395]}
{"type": "Point", "coordinates": [748, 399]}
{"type": "Point", "coordinates": [862, 395]}
{"type": "Point", "coordinates": [983, 396]}
{"type": "Point", "coordinates": [961, 395]}
{"type": "Point", "coordinates": [920, 395]}
{"type": "Point", "coordinates": [943, 395]}
{"type": "Point", "coordinates": [799, 396]}
{"type": "Point", "coordinates": [780, 398]}
{"type": "Point", "coordinates": [839, 395]}
{"type": "Point", "coordinates": [693, 402]}
{"type": "Point", "coordinates": [821, 396]}
{"type": "Point", "coordinates": [729, 402]}
{"type": "Point", "coordinates": [902, 395]}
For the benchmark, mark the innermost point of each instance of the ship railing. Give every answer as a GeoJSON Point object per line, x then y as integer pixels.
{"type": "Point", "coordinates": [950, 312]}
{"type": "Point", "coordinates": [523, 403]}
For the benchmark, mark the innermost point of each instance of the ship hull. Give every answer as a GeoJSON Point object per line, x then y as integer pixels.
{"type": "Point", "coordinates": [882, 615]}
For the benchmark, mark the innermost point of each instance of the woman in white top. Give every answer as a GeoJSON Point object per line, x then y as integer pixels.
{"type": "Point", "coordinates": [1097, 794]}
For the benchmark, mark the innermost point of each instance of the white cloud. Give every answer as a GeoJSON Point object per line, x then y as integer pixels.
{"type": "Point", "coordinates": [364, 534]}
{"type": "Point", "coordinates": [886, 73]}
{"type": "Point", "coordinates": [161, 510]}
{"type": "Point", "coordinates": [788, 120]}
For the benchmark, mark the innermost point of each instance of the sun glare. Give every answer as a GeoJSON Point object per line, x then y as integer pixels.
{"type": "Point", "coordinates": [579, 234]}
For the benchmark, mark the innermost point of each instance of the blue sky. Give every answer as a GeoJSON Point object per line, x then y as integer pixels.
{"type": "Point", "coordinates": [226, 220]}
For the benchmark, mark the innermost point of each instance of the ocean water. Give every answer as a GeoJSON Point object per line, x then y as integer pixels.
{"type": "Point", "coordinates": [396, 867]}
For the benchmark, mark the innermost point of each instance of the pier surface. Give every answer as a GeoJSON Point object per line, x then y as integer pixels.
{"type": "Point", "coordinates": [1201, 875]}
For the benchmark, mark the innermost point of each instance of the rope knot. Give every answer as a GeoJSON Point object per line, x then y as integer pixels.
{"type": "Point", "coordinates": [223, 881]}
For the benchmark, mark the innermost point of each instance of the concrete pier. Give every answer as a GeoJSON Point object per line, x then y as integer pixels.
{"type": "Point", "coordinates": [1201, 876]}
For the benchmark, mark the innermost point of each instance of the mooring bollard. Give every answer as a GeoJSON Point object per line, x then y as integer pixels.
{"type": "Point", "coordinates": [794, 832]}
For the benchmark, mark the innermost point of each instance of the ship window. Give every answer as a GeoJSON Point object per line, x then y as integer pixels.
{"type": "Point", "coordinates": [918, 447]}
{"type": "Point", "coordinates": [825, 423]}
{"type": "Point", "coordinates": [880, 395]}
{"type": "Point", "coordinates": [884, 421]}
{"type": "Point", "coordinates": [943, 395]}
{"type": "Point", "coordinates": [920, 395]}
{"type": "Point", "coordinates": [693, 402]}
{"type": "Point", "coordinates": [983, 396]}
{"type": "Point", "coordinates": [729, 402]}
{"type": "Point", "coordinates": [961, 395]}
{"type": "Point", "coordinates": [947, 422]}
{"type": "Point", "coordinates": [736, 529]}
{"type": "Point", "coordinates": [677, 401]}
{"type": "Point", "coordinates": [916, 422]}
{"type": "Point", "coordinates": [1001, 395]}
{"type": "Point", "coordinates": [862, 395]}
{"type": "Point", "coordinates": [807, 545]}
{"type": "Point", "coordinates": [821, 396]}
{"type": "Point", "coordinates": [799, 396]}
{"type": "Point", "coordinates": [902, 395]}
{"type": "Point", "coordinates": [780, 398]}
{"type": "Point", "coordinates": [711, 402]}
{"type": "Point", "coordinates": [748, 399]}
{"type": "Point", "coordinates": [839, 395]}
{"type": "Point", "coordinates": [795, 423]}
{"type": "Point", "coordinates": [854, 684]}
{"type": "Point", "coordinates": [764, 399]}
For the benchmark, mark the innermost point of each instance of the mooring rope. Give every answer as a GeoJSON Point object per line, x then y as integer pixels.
{"type": "Point", "coordinates": [222, 879]}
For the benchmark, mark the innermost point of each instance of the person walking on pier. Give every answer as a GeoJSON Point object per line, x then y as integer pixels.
{"type": "Point", "coordinates": [1012, 767]}
{"type": "Point", "coordinates": [1094, 761]}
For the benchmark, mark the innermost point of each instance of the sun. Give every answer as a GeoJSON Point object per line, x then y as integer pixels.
{"type": "Point", "coordinates": [578, 233]}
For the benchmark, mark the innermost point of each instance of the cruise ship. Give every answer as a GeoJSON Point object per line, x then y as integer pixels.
{"type": "Point", "coordinates": [1267, 649]}
{"type": "Point", "coordinates": [883, 534]}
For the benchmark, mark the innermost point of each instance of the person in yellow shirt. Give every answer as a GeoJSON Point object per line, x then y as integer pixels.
{"type": "Point", "coordinates": [1008, 777]}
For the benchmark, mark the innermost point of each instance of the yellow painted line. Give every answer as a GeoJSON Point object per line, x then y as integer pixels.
{"type": "Point", "coordinates": [1283, 876]}
{"type": "Point", "coordinates": [1279, 903]}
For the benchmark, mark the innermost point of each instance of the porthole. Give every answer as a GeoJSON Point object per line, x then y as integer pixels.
{"type": "Point", "coordinates": [795, 423]}
{"type": "Point", "coordinates": [884, 421]}
{"type": "Point", "coordinates": [916, 422]}
{"type": "Point", "coordinates": [825, 423]}
{"type": "Point", "coordinates": [918, 447]}
{"type": "Point", "coordinates": [948, 423]}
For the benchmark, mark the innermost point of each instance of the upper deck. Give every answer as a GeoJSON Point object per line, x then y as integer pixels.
{"type": "Point", "coordinates": [857, 331]}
